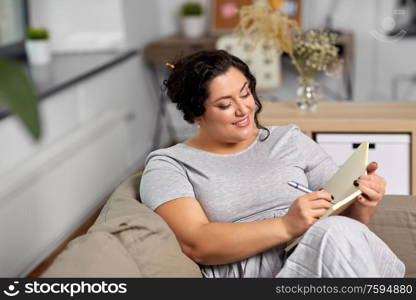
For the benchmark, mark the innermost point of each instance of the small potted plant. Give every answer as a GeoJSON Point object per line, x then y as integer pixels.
{"type": "Point", "coordinates": [192, 19]}
{"type": "Point", "coordinates": [37, 46]}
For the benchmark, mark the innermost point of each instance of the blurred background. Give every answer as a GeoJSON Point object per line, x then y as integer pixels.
{"type": "Point", "coordinates": [96, 69]}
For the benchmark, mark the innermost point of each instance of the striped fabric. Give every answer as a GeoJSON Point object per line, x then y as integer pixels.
{"type": "Point", "coordinates": [334, 247]}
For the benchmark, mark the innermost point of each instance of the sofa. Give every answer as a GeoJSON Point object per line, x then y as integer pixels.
{"type": "Point", "coordinates": [129, 240]}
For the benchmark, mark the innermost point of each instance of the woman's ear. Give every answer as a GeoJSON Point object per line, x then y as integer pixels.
{"type": "Point", "coordinates": [197, 120]}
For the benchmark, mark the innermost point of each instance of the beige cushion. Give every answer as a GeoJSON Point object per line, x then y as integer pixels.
{"type": "Point", "coordinates": [395, 223]}
{"type": "Point", "coordinates": [146, 236]}
{"type": "Point", "coordinates": [97, 254]}
{"type": "Point", "coordinates": [127, 240]}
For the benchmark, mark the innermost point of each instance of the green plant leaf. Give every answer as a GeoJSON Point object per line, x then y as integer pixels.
{"type": "Point", "coordinates": [37, 33]}
{"type": "Point", "coordinates": [17, 93]}
{"type": "Point", "coordinates": [191, 9]}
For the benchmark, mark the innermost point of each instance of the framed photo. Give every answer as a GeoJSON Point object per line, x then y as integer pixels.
{"type": "Point", "coordinates": [293, 9]}
{"type": "Point", "coordinates": [225, 12]}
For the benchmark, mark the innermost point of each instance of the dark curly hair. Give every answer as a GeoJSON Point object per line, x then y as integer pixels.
{"type": "Point", "coordinates": [187, 85]}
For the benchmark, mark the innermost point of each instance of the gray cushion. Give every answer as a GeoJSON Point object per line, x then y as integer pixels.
{"type": "Point", "coordinates": [395, 223]}
{"type": "Point", "coordinates": [146, 236]}
{"type": "Point", "coordinates": [126, 240]}
{"type": "Point", "coordinates": [97, 254]}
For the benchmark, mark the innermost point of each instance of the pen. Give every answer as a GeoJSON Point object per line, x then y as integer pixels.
{"type": "Point", "coordinates": [299, 186]}
{"type": "Point", "coordinates": [303, 188]}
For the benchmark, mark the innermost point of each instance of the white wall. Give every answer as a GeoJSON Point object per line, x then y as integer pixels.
{"type": "Point", "coordinates": [70, 22]}
{"type": "Point", "coordinates": [393, 57]}
{"type": "Point", "coordinates": [140, 22]}
{"type": "Point", "coordinates": [168, 15]}
{"type": "Point", "coordinates": [117, 23]}
{"type": "Point", "coordinates": [377, 61]}
{"type": "Point", "coordinates": [362, 12]}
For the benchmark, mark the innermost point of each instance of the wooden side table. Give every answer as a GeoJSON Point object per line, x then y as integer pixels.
{"type": "Point", "coordinates": [172, 47]}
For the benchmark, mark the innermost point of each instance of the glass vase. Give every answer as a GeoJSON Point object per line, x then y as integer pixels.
{"type": "Point", "coordinates": [308, 94]}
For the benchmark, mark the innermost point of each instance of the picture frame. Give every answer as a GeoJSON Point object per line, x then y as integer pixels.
{"type": "Point", "coordinates": [225, 13]}
{"type": "Point", "coordinates": [293, 9]}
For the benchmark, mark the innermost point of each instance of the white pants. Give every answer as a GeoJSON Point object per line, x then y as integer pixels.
{"type": "Point", "coordinates": [341, 247]}
{"type": "Point", "coordinates": [333, 247]}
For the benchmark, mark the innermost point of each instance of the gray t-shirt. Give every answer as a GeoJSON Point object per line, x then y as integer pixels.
{"type": "Point", "coordinates": [240, 187]}
{"type": "Point", "coordinates": [237, 186]}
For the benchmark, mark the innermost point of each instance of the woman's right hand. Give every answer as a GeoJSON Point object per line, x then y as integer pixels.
{"type": "Point", "coordinates": [305, 211]}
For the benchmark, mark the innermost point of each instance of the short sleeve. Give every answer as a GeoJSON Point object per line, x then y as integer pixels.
{"type": "Point", "coordinates": [319, 165]}
{"type": "Point", "coordinates": [163, 179]}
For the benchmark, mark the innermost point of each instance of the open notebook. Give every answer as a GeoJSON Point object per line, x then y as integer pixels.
{"type": "Point", "coordinates": [340, 185]}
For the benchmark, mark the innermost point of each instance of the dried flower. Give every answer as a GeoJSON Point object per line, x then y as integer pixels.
{"type": "Point", "coordinates": [316, 51]}
{"type": "Point", "coordinates": [310, 52]}
{"type": "Point", "coordinates": [261, 23]}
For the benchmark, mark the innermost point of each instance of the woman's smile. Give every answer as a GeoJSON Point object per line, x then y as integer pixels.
{"type": "Point", "coordinates": [243, 122]}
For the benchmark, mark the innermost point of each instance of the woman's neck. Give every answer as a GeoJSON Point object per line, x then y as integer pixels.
{"type": "Point", "coordinates": [206, 143]}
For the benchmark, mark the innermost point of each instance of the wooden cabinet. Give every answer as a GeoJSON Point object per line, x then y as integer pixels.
{"type": "Point", "coordinates": [357, 118]}
{"type": "Point", "coordinates": [390, 150]}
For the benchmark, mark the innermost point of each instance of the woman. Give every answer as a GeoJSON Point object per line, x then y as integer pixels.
{"type": "Point", "coordinates": [224, 191]}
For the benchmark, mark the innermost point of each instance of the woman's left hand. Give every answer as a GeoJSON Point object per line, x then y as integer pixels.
{"type": "Point", "coordinates": [372, 186]}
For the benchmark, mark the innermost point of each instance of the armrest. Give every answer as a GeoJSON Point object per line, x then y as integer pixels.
{"type": "Point", "coordinates": [143, 233]}
{"type": "Point", "coordinates": [123, 201]}
{"type": "Point", "coordinates": [395, 223]}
